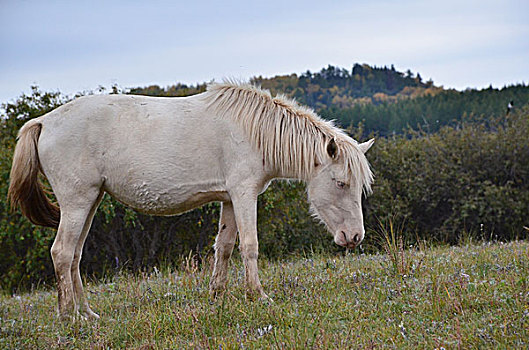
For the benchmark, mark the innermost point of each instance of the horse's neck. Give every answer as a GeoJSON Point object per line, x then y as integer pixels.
{"type": "Point", "coordinates": [287, 174]}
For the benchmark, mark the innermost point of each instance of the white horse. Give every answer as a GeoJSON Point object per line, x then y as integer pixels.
{"type": "Point", "coordinates": [165, 156]}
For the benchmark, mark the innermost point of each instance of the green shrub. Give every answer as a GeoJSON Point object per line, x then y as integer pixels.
{"type": "Point", "coordinates": [472, 178]}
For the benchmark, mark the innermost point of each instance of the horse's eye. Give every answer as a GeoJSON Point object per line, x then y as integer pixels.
{"type": "Point", "coordinates": [340, 184]}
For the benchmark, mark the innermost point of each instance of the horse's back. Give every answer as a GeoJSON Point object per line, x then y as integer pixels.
{"type": "Point", "coordinates": [114, 114]}
{"type": "Point", "coordinates": [111, 129]}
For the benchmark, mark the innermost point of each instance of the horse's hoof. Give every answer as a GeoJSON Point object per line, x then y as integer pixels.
{"type": "Point", "coordinates": [90, 315]}
{"type": "Point", "coordinates": [70, 317]}
{"type": "Point", "coordinates": [259, 295]}
{"type": "Point", "coordinates": [216, 294]}
{"type": "Point", "coordinates": [266, 299]}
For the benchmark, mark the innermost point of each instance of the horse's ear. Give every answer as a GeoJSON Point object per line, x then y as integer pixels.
{"type": "Point", "coordinates": [332, 148]}
{"type": "Point", "coordinates": [365, 146]}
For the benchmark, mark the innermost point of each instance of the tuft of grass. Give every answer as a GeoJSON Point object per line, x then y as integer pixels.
{"type": "Point", "coordinates": [402, 262]}
{"type": "Point", "coordinates": [472, 296]}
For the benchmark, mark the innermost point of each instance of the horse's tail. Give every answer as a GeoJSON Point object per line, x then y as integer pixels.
{"type": "Point", "coordinates": [25, 189]}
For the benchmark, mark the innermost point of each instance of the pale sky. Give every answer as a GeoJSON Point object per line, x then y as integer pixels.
{"type": "Point", "coordinates": [71, 46]}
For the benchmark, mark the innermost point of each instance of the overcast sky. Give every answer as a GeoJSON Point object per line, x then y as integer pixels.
{"type": "Point", "coordinates": [73, 46]}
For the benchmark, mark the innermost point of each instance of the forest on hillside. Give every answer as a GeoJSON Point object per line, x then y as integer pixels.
{"type": "Point", "coordinates": [382, 100]}
{"type": "Point", "coordinates": [448, 165]}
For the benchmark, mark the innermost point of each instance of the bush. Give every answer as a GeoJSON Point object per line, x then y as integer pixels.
{"type": "Point", "coordinates": [471, 178]}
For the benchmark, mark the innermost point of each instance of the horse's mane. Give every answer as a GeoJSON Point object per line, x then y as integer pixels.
{"type": "Point", "coordinates": [276, 124]}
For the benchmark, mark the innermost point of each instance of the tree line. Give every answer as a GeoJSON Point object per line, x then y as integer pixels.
{"type": "Point", "coordinates": [381, 100]}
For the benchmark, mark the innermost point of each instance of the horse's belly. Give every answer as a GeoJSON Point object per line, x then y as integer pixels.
{"type": "Point", "coordinates": [166, 202]}
{"type": "Point", "coordinates": [196, 201]}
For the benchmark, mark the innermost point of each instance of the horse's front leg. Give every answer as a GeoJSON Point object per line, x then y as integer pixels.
{"type": "Point", "coordinates": [223, 248]}
{"type": "Point", "coordinates": [245, 209]}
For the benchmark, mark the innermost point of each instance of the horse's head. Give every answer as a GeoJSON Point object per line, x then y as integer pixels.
{"type": "Point", "coordinates": [335, 192]}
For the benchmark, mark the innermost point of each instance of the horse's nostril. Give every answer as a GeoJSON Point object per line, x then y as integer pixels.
{"type": "Point", "coordinates": [356, 238]}
{"type": "Point", "coordinates": [344, 236]}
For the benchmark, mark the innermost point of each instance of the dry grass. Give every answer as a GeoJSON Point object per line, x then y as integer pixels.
{"type": "Point", "coordinates": [471, 296]}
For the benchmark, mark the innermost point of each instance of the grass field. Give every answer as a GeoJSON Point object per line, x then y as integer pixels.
{"type": "Point", "coordinates": [471, 296]}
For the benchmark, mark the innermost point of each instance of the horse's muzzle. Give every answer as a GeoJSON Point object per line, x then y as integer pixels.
{"type": "Point", "coordinates": [348, 241]}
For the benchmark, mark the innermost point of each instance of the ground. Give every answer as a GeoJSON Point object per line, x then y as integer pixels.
{"type": "Point", "coordinates": [469, 296]}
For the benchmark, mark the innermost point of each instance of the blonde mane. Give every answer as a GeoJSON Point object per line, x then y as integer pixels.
{"type": "Point", "coordinates": [276, 124]}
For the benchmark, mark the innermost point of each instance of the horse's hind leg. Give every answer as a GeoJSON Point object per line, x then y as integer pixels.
{"type": "Point", "coordinates": [80, 297]}
{"type": "Point", "coordinates": [74, 215]}
{"type": "Point", "coordinates": [223, 248]}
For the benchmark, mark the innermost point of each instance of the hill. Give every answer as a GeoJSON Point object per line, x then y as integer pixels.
{"type": "Point", "coordinates": [320, 88]}
{"type": "Point", "coordinates": [382, 100]}
{"type": "Point", "coordinates": [330, 87]}
{"type": "Point", "coordinates": [469, 296]}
